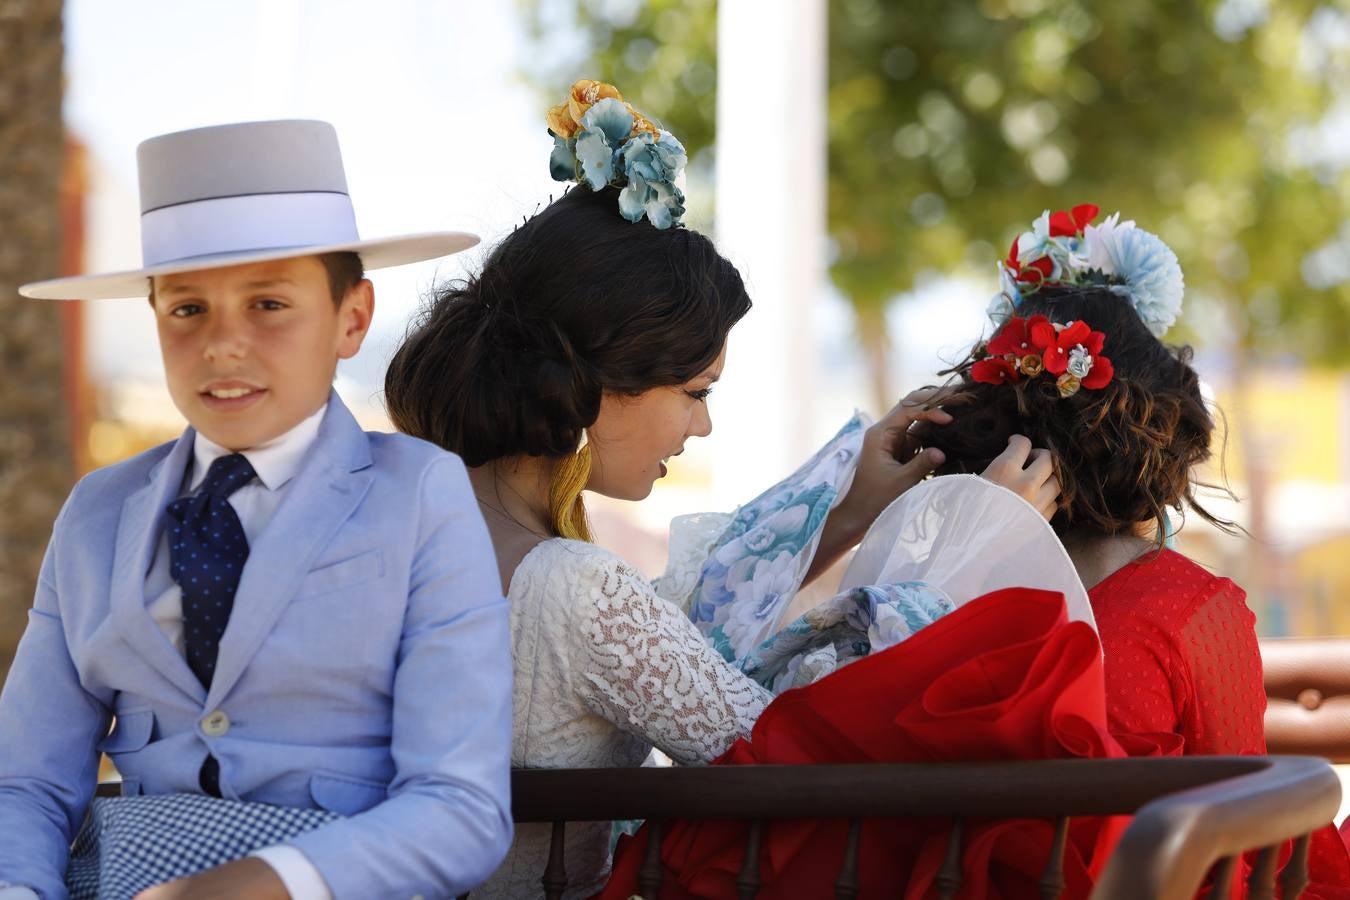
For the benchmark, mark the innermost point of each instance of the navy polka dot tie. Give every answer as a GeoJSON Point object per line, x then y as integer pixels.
{"type": "Point", "coordinates": [207, 549]}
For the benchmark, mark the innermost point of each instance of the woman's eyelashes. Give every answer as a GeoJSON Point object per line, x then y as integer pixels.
{"type": "Point", "coordinates": [701, 394]}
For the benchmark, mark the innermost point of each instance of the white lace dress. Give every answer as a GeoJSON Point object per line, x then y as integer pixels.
{"type": "Point", "coordinates": [608, 665]}
{"type": "Point", "coordinates": [605, 670]}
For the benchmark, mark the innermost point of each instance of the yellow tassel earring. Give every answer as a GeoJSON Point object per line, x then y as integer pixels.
{"type": "Point", "coordinates": [565, 507]}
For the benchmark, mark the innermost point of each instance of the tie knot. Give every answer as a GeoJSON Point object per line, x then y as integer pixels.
{"type": "Point", "coordinates": [227, 475]}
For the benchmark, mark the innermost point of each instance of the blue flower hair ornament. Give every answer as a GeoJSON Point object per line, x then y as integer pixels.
{"type": "Point", "coordinates": [1064, 248]}
{"type": "Point", "coordinates": [599, 139]}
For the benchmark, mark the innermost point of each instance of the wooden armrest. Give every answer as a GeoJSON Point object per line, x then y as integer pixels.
{"type": "Point", "coordinates": [1173, 841]}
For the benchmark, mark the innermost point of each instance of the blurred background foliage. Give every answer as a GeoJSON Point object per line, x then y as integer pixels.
{"type": "Point", "coordinates": [952, 125]}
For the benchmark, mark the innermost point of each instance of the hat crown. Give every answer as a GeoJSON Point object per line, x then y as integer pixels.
{"type": "Point", "coordinates": [241, 159]}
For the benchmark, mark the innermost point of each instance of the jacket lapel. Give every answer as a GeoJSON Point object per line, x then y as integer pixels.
{"type": "Point", "coordinates": [138, 534]}
{"type": "Point", "coordinates": [326, 490]}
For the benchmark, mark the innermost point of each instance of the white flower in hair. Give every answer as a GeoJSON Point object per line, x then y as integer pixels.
{"type": "Point", "coordinates": [1038, 243]}
{"type": "Point", "coordinates": [1139, 267]}
{"type": "Point", "coordinates": [1080, 362]}
{"type": "Point", "coordinates": [1003, 305]}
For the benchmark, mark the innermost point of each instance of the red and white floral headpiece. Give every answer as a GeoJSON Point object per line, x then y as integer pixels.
{"type": "Point", "coordinates": [1069, 352]}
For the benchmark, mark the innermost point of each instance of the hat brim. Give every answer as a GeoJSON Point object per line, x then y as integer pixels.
{"type": "Point", "coordinates": [380, 253]}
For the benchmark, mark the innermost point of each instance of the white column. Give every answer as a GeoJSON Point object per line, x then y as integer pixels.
{"type": "Point", "coordinates": [771, 224]}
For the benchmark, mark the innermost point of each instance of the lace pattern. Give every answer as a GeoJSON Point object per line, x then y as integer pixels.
{"type": "Point", "coordinates": [647, 668]}
{"type": "Point", "coordinates": [605, 669]}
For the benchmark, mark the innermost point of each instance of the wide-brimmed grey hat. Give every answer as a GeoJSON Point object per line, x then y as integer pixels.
{"type": "Point", "coordinates": [243, 193]}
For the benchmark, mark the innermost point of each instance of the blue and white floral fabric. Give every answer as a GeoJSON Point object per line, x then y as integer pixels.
{"type": "Point", "coordinates": [752, 569]}
{"type": "Point", "coordinates": [758, 562]}
{"type": "Point", "coordinates": [940, 545]}
{"type": "Point", "coordinates": [844, 628]}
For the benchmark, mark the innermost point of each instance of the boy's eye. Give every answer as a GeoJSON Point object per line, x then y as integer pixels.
{"type": "Point", "coordinates": [700, 395]}
{"type": "Point", "coordinates": [184, 310]}
{"type": "Point", "coordinates": [269, 303]}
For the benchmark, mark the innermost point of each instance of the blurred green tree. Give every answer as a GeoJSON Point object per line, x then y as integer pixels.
{"type": "Point", "coordinates": [952, 125]}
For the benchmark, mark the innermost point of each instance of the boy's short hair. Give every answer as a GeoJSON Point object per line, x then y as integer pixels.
{"type": "Point", "coordinates": [345, 271]}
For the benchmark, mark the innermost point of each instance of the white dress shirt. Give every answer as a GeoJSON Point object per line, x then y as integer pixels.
{"type": "Point", "coordinates": [275, 463]}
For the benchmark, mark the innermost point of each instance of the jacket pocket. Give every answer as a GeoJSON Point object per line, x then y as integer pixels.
{"type": "Point", "coordinates": [344, 795]}
{"type": "Point", "coordinates": [344, 574]}
{"type": "Point", "coordinates": [131, 731]}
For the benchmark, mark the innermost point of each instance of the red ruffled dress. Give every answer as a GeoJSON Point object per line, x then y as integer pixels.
{"type": "Point", "coordinates": [1173, 668]}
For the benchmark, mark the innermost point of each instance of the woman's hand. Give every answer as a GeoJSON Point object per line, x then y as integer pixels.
{"type": "Point", "coordinates": [1027, 472]}
{"type": "Point", "coordinates": [245, 879]}
{"type": "Point", "coordinates": [889, 464]}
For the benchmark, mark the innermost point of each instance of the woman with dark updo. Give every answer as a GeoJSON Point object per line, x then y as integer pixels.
{"type": "Point", "coordinates": [1179, 642]}
{"type": "Point", "coordinates": [581, 357]}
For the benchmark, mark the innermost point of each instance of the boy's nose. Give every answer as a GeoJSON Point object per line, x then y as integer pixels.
{"type": "Point", "coordinates": [226, 342]}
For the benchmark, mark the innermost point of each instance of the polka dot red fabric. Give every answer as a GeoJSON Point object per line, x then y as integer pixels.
{"type": "Point", "coordinates": [1181, 656]}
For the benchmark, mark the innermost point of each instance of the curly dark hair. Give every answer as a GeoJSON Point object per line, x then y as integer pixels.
{"type": "Point", "coordinates": [574, 302]}
{"type": "Point", "coordinates": [1124, 453]}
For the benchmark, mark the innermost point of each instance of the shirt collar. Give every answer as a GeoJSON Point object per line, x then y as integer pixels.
{"type": "Point", "coordinates": [274, 462]}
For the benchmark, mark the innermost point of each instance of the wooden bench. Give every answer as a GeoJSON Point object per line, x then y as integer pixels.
{"type": "Point", "coordinates": [1191, 814]}
{"type": "Point", "coordinates": [1308, 689]}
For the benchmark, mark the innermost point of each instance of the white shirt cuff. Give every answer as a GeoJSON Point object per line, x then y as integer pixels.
{"type": "Point", "coordinates": [302, 880]}
{"type": "Point", "coordinates": [14, 892]}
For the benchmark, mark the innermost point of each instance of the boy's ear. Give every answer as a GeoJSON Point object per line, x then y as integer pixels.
{"type": "Point", "coordinates": [354, 315]}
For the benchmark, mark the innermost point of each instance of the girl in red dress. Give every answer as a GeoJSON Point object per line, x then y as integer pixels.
{"type": "Point", "coordinates": [1077, 365]}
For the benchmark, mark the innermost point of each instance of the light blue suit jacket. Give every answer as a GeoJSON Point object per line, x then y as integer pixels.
{"type": "Point", "coordinates": [366, 669]}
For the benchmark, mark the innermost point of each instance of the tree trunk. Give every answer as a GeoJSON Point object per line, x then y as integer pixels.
{"type": "Point", "coordinates": [35, 463]}
{"type": "Point", "coordinates": [876, 348]}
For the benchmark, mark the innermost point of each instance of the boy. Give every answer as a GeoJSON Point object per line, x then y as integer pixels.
{"type": "Point", "coordinates": [277, 607]}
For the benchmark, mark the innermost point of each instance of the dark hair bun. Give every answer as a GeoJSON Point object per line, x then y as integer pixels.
{"type": "Point", "coordinates": [1124, 453]}
{"type": "Point", "coordinates": [575, 302]}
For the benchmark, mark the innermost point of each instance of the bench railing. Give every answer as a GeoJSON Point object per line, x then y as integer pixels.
{"type": "Point", "coordinates": [1192, 814]}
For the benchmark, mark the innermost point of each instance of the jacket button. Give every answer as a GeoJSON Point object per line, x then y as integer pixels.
{"type": "Point", "coordinates": [215, 724]}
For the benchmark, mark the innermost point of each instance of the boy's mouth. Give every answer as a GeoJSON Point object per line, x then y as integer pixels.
{"type": "Point", "coordinates": [227, 396]}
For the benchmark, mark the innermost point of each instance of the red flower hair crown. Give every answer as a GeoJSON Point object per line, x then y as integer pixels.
{"type": "Point", "coordinates": [1070, 352]}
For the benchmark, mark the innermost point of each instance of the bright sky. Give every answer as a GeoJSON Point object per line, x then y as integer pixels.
{"type": "Point", "coordinates": [437, 131]}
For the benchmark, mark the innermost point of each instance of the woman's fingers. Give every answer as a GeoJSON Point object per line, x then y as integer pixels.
{"type": "Point", "coordinates": [919, 468]}
{"type": "Point", "coordinates": [893, 428]}
{"type": "Point", "coordinates": [1028, 472]}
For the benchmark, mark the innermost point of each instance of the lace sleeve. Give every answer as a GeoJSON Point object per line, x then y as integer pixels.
{"type": "Point", "coordinates": [644, 666]}
{"type": "Point", "coordinates": [1223, 662]}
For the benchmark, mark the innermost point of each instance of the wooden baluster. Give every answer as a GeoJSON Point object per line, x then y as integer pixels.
{"type": "Point", "coordinates": [747, 882]}
{"type": "Point", "coordinates": [1261, 883]}
{"type": "Point", "coordinates": [1222, 877]}
{"type": "Point", "coordinates": [1052, 879]}
{"type": "Point", "coordinates": [1294, 878]}
{"type": "Point", "coordinates": [846, 886]}
{"type": "Point", "coordinates": [555, 872]}
{"type": "Point", "coordinates": [949, 876]}
{"type": "Point", "coordinates": [650, 875]}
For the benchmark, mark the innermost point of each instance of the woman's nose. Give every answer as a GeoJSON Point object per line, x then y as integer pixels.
{"type": "Point", "coordinates": [701, 423]}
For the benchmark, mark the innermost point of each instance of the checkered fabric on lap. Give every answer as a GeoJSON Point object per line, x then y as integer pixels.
{"type": "Point", "coordinates": [128, 844]}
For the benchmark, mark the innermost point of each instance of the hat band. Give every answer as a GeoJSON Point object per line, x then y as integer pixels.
{"type": "Point", "coordinates": [246, 223]}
